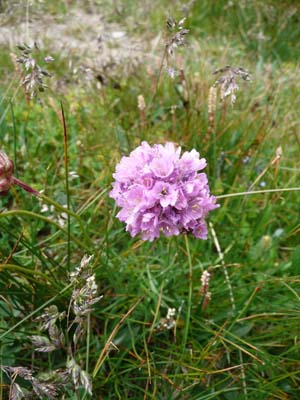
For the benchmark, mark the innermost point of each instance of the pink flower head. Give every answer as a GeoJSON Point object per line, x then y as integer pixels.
{"type": "Point", "coordinates": [161, 192]}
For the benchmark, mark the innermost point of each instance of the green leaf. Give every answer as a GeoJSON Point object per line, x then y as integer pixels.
{"type": "Point", "coordinates": [295, 267]}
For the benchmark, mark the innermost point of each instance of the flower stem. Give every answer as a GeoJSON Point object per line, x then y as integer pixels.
{"type": "Point", "coordinates": [232, 300]}
{"type": "Point", "coordinates": [104, 352]}
{"type": "Point", "coordinates": [67, 182]}
{"type": "Point", "coordinates": [24, 186]}
{"type": "Point", "coordinates": [225, 196]}
{"type": "Point", "coordinates": [43, 218]}
{"type": "Point", "coordinates": [189, 302]}
{"type": "Point", "coordinates": [88, 333]}
{"type": "Point", "coordinates": [28, 316]}
{"type": "Point", "coordinates": [15, 132]}
{"type": "Point", "coordinates": [59, 207]}
{"type": "Point", "coordinates": [158, 79]}
{"type": "Point", "coordinates": [70, 214]}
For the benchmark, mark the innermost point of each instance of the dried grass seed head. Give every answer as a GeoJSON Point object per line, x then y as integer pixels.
{"type": "Point", "coordinates": [178, 34]}
{"type": "Point", "coordinates": [16, 392]}
{"type": "Point", "coordinates": [227, 80]}
{"type": "Point", "coordinates": [41, 388]}
{"type": "Point", "coordinates": [141, 102]}
{"type": "Point", "coordinates": [42, 344]}
{"type": "Point", "coordinates": [34, 74]}
{"type": "Point", "coordinates": [49, 317]}
{"type": "Point", "coordinates": [79, 376]}
{"type": "Point", "coordinates": [81, 272]}
{"type": "Point", "coordinates": [205, 278]}
{"type": "Point", "coordinates": [176, 38]}
{"type": "Point", "coordinates": [169, 321]}
{"type": "Point", "coordinates": [85, 287]}
{"type": "Point", "coordinates": [45, 389]}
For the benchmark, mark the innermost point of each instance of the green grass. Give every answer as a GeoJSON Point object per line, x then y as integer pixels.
{"type": "Point", "coordinates": [245, 349]}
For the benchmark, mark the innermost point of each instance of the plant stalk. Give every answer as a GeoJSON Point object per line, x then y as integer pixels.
{"type": "Point", "coordinates": [190, 293]}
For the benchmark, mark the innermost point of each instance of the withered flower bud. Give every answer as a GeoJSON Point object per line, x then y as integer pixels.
{"type": "Point", "coordinates": [7, 179]}
{"type": "Point", "coordinates": [6, 173]}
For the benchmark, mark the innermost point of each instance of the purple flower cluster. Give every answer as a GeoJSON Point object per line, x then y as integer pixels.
{"type": "Point", "coordinates": [160, 191]}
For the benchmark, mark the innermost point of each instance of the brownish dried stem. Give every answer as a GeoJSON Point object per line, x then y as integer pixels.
{"type": "Point", "coordinates": [105, 349]}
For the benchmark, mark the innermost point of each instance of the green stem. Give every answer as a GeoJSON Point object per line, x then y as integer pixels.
{"type": "Point", "coordinates": [1, 371]}
{"type": "Point", "coordinates": [15, 133]}
{"type": "Point", "coordinates": [3, 116]}
{"type": "Point", "coordinates": [157, 79]}
{"type": "Point", "coordinates": [189, 302]}
{"type": "Point", "coordinates": [36, 311]}
{"type": "Point", "coordinates": [27, 271]}
{"type": "Point", "coordinates": [69, 213]}
{"type": "Point", "coordinates": [88, 333]}
{"type": "Point", "coordinates": [47, 199]}
{"type": "Point", "coordinates": [104, 351]}
{"type": "Point", "coordinates": [225, 196]}
{"type": "Point", "coordinates": [41, 217]}
{"type": "Point", "coordinates": [67, 182]}
{"type": "Point", "coordinates": [60, 208]}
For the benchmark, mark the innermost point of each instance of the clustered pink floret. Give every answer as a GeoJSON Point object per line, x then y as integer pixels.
{"type": "Point", "coordinates": [160, 191]}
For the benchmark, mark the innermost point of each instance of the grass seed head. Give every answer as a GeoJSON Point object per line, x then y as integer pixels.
{"type": "Point", "coordinates": [33, 74]}
{"type": "Point", "coordinates": [176, 38]}
{"type": "Point", "coordinates": [227, 81]}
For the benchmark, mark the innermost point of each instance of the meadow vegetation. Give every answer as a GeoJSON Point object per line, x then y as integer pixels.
{"type": "Point", "coordinates": [138, 319]}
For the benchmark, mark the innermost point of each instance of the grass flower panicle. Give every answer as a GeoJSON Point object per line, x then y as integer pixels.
{"type": "Point", "coordinates": [85, 288]}
{"type": "Point", "coordinates": [41, 388]}
{"type": "Point", "coordinates": [205, 278]}
{"type": "Point", "coordinates": [227, 81]}
{"type": "Point", "coordinates": [169, 322]}
{"type": "Point", "coordinates": [161, 191]}
{"type": "Point", "coordinates": [79, 376]}
{"type": "Point", "coordinates": [176, 38]}
{"type": "Point", "coordinates": [34, 74]}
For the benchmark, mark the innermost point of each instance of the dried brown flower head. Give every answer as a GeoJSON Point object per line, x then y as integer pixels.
{"type": "Point", "coordinates": [6, 173]}
{"type": "Point", "coordinates": [6, 176]}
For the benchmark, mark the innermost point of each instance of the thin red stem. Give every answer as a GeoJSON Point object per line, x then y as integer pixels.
{"type": "Point", "coordinates": [24, 186]}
